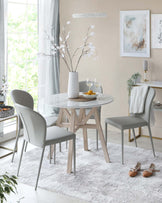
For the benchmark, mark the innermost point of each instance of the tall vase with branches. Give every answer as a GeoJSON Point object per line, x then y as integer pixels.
{"type": "Point", "coordinates": [72, 57]}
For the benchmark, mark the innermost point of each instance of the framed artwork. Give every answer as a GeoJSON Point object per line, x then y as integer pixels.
{"type": "Point", "coordinates": [156, 31]}
{"type": "Point", "coordinates": [135, 33]}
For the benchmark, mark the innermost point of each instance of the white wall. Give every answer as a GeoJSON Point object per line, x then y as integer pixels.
{"type": "Point", "coordinates": [110, 69]}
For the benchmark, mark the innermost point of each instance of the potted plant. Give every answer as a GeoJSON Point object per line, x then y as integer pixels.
{"type": "Point", "coordinates": [132, 81]}
{"type": "Point", "coordinates": [7, 185]}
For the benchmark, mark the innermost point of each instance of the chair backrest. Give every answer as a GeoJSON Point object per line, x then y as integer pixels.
{"type": "Point", "coordinates": [84, 88]}
{"type": "Point", "coordinates": [23, 98]}
{"type": "Point", "coordinates": [34, 125]}
{"type": "Point", "coordinates": [148, 104]}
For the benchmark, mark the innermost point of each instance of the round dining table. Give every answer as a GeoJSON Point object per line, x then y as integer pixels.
{"type": "Point", "coordinates": [69, 109]}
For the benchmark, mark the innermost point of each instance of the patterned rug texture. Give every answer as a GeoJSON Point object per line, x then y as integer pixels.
{"type": "Point", "coordinates": [95, 181]}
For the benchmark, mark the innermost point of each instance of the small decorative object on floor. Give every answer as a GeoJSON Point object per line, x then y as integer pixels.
{"type": "Point", "coordinates": [134, 171]}
{"type": "Point", "coordinates": [145, 68]}
{"type": "Point", "coordinates": [71, 57]}
{"type": "Point", "coordinates": [149, 171]}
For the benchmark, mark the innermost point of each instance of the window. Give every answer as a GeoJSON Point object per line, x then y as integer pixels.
{"type": "Point", "coordinates": [23, 47]}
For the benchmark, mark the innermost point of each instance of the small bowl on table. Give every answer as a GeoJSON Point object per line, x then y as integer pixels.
{"type": "Point", "coordinates": [90, 94]}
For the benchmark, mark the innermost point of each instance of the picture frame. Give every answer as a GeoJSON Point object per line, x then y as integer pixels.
{"type": "Point", "coordinates": [156, 31]}
{"type": "Point", "coordinates": [135, 33]}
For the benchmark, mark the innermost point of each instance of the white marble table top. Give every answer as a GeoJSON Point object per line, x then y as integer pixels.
{"type": "Point", "coordinates": [151, 83]}
{"type": "Point", "coordinates": [62, 101]}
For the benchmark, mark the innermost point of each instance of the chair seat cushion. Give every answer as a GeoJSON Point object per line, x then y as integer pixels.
{"type": "Point", "coordinates": [126, 122]}
{"type": "Point", "coordinates": [56, 134]}
{"type": "Point", "coordinates": [51, 120]}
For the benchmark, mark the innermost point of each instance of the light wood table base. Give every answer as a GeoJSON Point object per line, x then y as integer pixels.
{"type": "Point", "coordinates": [74, 122]}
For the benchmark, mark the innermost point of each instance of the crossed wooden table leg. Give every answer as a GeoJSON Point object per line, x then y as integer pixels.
{"type": "Point", "coordinates": [74, 122]}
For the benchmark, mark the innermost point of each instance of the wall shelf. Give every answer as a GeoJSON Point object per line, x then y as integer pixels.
{"type": "Point", "coordinates": [153, 84]}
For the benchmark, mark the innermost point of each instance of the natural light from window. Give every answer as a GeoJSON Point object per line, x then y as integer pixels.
{"type": "Point", "coordinates": [23, 47]}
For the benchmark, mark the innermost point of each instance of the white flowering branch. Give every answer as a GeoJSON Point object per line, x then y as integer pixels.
{"type": "Point", "coordinates": [84, 52]}
{"type": "Point", "coordinates": [67, 47]}
{"type": "Point", "coordinates": [72, 59]}
{"type": "Point", "coordinates": [4, 88]}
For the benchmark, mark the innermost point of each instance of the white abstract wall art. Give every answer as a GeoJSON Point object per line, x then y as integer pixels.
{"type": "Point", "coordinates": [135, 33]}
{"type": "Point", "coordinates": [156, 31]}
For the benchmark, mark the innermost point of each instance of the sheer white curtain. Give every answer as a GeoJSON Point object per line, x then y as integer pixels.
{"type": "Point", "coordinates": [3, 39]}
{"type": "Point", "coordinates": [3, 46]}
{"type": "Point", "coordinates": [48, 71]}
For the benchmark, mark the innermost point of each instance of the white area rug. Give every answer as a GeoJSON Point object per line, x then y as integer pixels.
{"type": "Point", "coordinates": [95, 181]}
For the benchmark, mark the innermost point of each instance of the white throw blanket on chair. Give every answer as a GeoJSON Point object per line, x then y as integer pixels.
{"type": "Point", "coordinates": [137, 99]}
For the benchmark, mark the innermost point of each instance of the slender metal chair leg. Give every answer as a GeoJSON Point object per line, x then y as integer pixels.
{"type": "Point", "coordinates": [134, 137]}
{"type": "Point", "coordinates": [50, 154]}
{"type": "Point", "coordinates": [20, 158]}
{"type": "Point", "coordinates": [39, 169]}
{"type": "Point", "coordinates": [106, 133]}
{"type": "Point", "coordinates": [60, 147]}
{"type": "Point", "coordinates": [54, 155]}
{"type": "Point", "coordinates": [97, 139]}
{"type": "Point", "coordinates": [26, 145]}
{"type": "Point", "coordinates": [151, 140]}
{"type": "Point", "coordinates": [122, 146]}
{"type": "Point", "coordinates": [16, 142]}
{"type": "Point", "coordinates": [74, 151]}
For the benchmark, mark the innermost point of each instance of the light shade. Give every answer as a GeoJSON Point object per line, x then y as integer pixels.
{"type": "Point", "coordinates": [89, 15]}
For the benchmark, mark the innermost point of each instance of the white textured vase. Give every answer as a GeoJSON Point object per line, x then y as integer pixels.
{"type": "Point", "coordinates": [73, 85]}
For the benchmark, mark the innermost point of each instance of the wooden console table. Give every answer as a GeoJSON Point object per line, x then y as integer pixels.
{"type": "Point", "coordinates": [156, 85]}
{"type": "Point", "coordinates": [3, 147]}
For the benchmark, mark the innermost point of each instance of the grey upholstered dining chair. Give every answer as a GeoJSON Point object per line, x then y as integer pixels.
{"type": "Point", "coordinates": [37, 133]}
{"type": "Point", "coordinates": [24, 98]}
{"type": "Point", "coordinates": [134, 121]}
{"type": "Point", "coordinates": [84, 88]}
